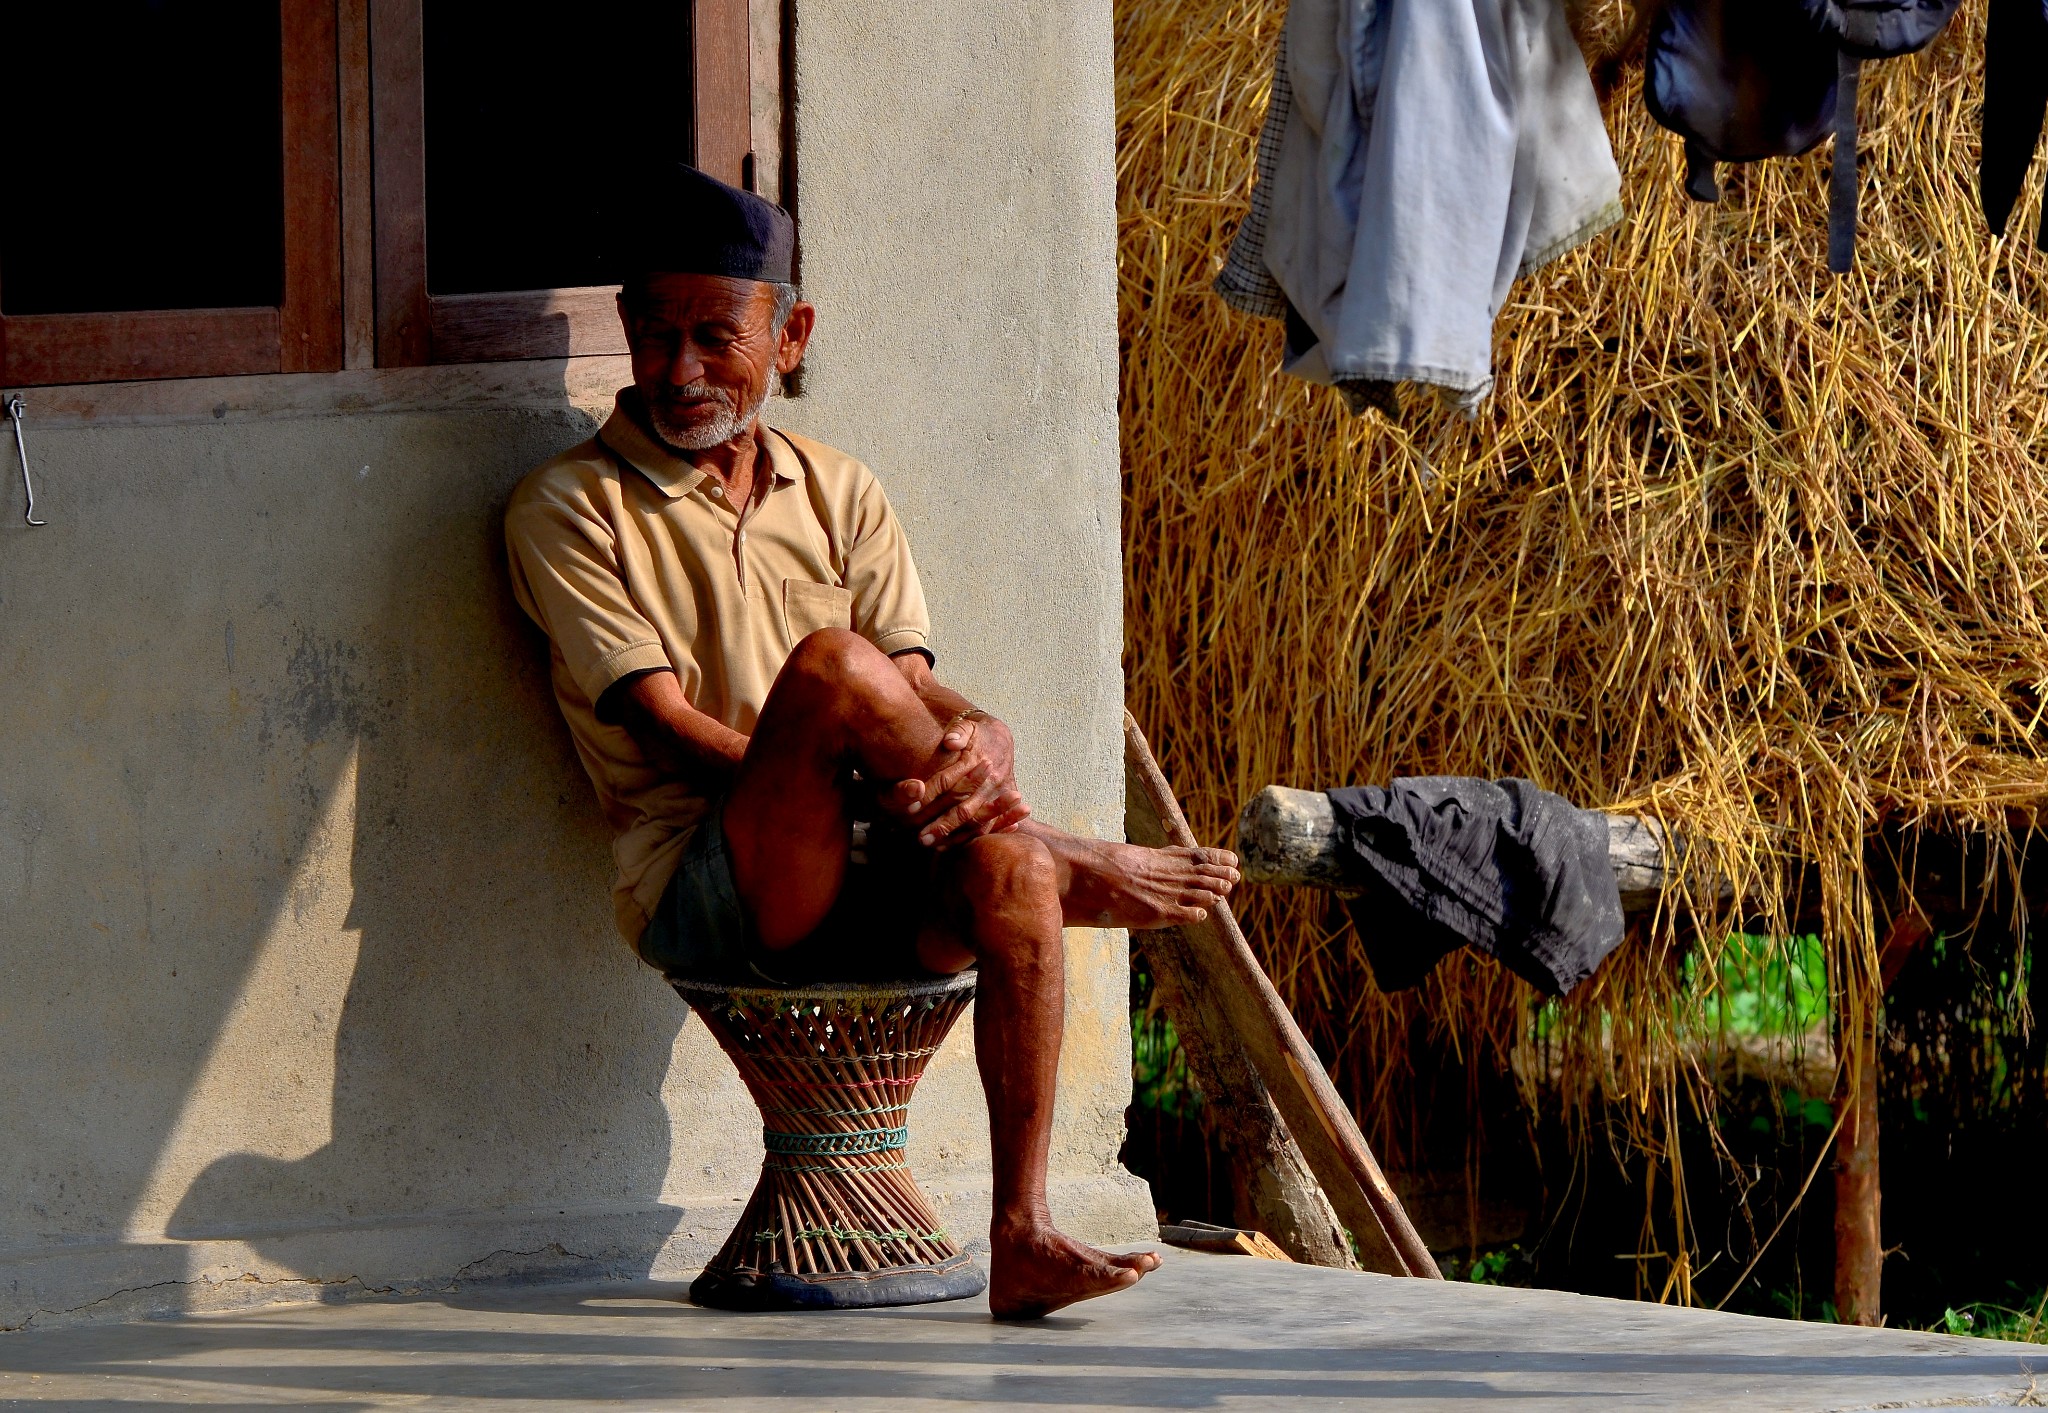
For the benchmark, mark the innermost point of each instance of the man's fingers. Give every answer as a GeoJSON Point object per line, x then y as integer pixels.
{"type": "Point", "coordinates": [940, 831]}
{"type": "Point", "coordinates": [950, 779]}
{"type": "Point", "coordinates": [959, 781]}
{"type": "Point", "coordinates": [1009, 819]}
{"type": "Point", "coordinates": [990, 800]}
{"type": "Point", "coordinates": [1006, 813]}
{"type": "Point", "coordinates": [902, 800]}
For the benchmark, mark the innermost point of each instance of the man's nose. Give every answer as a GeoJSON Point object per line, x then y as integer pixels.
{"type": "Point", "coordinates": [686, 367]}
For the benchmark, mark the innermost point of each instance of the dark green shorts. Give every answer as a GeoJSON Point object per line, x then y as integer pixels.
{"type": "Point", "coordinates": [700, 930]}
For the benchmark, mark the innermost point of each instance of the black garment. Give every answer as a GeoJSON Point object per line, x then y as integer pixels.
{"type": "Point", "coordinates": [1741, 80]}
{"type": "Point", "coordinates": [2015, 99]}
{"type": "Point", "coordinates": [1866, 29]}
{"type": "Point", "coordinates": [1450, 861]}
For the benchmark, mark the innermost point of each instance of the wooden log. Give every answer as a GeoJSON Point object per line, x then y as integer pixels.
{"type": "Point", "coordinates": [1220, 967]}
{"type": "Point", "coordinates": [1291, 836]}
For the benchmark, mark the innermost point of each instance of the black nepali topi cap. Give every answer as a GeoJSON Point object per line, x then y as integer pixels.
{"type": "Point", "coordinates": [679, 221]}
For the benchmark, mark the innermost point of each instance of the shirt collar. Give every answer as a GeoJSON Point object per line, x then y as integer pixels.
{"type": "Point", "coordinates": [675, 476]}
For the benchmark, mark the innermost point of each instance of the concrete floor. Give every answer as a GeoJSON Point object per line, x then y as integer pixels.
{"type": "Point", "coordinates": [1205, 1332]}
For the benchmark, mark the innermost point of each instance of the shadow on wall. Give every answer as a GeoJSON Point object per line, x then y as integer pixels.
{"type": "Point", "coordinates": [312, 930]}
{"type": "Point", "coordinates": [478, 1061]}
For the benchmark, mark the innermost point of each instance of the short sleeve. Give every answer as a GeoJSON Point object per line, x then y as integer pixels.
{"type": "Point", "coordinates": [565, 574]}
{"type": "Point", "coordinates": [888, 597]}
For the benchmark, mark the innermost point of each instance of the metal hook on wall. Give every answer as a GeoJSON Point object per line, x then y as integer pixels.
{"type": "Point", "coordinates": [16, 410]}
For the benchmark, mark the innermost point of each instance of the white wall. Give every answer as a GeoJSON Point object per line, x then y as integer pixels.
{"type": "Point", "coordinates": [310, 985]}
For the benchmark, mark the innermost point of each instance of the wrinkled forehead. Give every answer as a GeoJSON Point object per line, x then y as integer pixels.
{"type": "Point", "coordinates": [681, 299]}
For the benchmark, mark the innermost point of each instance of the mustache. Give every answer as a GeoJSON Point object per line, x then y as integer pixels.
{"type": "Point", "coordinates": [693, 392]}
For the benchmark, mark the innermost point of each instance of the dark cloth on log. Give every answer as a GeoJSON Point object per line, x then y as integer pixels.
{"type": "Point", "coordinates": [2015, 99]}
{"type": "Point", "coordinates": [1450, 861]}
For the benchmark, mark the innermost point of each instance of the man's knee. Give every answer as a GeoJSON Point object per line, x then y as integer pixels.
{"type": "Point", "coordinates": [834, 657]}
{"type": "Point", "coordinates": [1002, 868]}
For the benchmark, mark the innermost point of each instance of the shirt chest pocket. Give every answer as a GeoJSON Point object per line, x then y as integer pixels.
{"type": "Point", "coordinates": [808, 607]}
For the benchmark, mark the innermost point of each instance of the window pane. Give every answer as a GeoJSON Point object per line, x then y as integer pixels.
{"type": "Point", "coordinates": [525, 130]}
{"type": "Point", "coordinates": [152, 166]}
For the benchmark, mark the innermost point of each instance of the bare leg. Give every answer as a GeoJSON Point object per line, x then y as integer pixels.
{"type": "Point", "coordinates": [993, 902]}
{"type": "Point", "coordinates": [999, 906]}
{"type": "Point", "coordinates": [838, 705]}
{"type": "Point", "coordinates": [1105, 884]}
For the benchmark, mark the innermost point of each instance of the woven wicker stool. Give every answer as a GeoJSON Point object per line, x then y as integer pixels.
{"type": "Point", "coordinates": [836, 1220]}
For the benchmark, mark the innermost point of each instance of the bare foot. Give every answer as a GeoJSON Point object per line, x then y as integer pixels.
{"type": "Point", "coordinates": [1035, 1270]}
{"type": "Point", "coordinates": [1127, 885]}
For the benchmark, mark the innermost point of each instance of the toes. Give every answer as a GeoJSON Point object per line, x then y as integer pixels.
{"type": "Point", "coordinates": [1114, 1275]}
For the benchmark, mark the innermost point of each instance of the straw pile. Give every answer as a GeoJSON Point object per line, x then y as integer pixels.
{"type": "Point", "coordinates": [1736, 543]}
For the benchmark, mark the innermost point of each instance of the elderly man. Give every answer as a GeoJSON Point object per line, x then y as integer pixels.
{"type": "Point", "coordinates": [739, 646]}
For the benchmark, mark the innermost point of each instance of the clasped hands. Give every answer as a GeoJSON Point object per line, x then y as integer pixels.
{"type": "Point", "coordinates": [973, 791]}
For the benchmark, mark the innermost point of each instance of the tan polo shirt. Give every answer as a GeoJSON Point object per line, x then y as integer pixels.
{"type": "Point", "coordinates": [630, 558]}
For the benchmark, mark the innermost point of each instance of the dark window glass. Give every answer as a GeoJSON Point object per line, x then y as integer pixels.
{"type": "Point", "coordinates": [527, 133]}
{"type": "Point", "coordinates": [149, 166]}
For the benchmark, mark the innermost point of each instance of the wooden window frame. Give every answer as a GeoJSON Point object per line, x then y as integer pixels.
{"type": "Point", "coordinates": [303, 333]}
{"type": "Point", "coordinates": [414, 327]}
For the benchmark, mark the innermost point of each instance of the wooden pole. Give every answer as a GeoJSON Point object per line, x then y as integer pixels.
{"type": "Point", "coordinates": [1221, 967]}
{"type": "Point", "coordinates": [1859, 1227]}
{"type": "Point", "coordinates": [1859, 1245]}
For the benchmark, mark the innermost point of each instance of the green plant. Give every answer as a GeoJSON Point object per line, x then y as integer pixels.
{"type": "Point", "coordinates": [1765, 986]}
{"type": "Point", "coordinates": [1988, 1321]}
{"type": "Point", "coordinates": [1159, 1069]}
{"type": "Point", "coordinates": [1487, 1268]}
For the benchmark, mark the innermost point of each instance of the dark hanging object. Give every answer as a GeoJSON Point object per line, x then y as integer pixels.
{"type": "Point", "coordinates": [2015, 99]}
{"type": "Point", "coordinates": [1866, 29]}
{"type": "Point", "coordinates": [1739, 80]}
{"type": "Point", "coordinates": [1742, 80]}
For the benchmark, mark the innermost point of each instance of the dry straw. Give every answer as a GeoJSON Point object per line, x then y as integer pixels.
{"type": "Point", "coordinates": [1758, 550]}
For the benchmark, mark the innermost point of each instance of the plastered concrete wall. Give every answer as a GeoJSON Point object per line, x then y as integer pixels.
{"type": "Point", "coordinates": [310, 985]}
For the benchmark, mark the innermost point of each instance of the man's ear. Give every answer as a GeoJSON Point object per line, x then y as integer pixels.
{"type": "Point", "coordinates": [796, 337]}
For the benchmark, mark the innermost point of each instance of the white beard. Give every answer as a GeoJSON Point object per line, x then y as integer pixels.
{"type": "Point", "coordinates": [722, 428]}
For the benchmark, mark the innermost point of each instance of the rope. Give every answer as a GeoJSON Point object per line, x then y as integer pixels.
{"type": "Point", "coordinates": [823, 1056]}
{"type": "Point", "coordinates": [860, 1140]}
